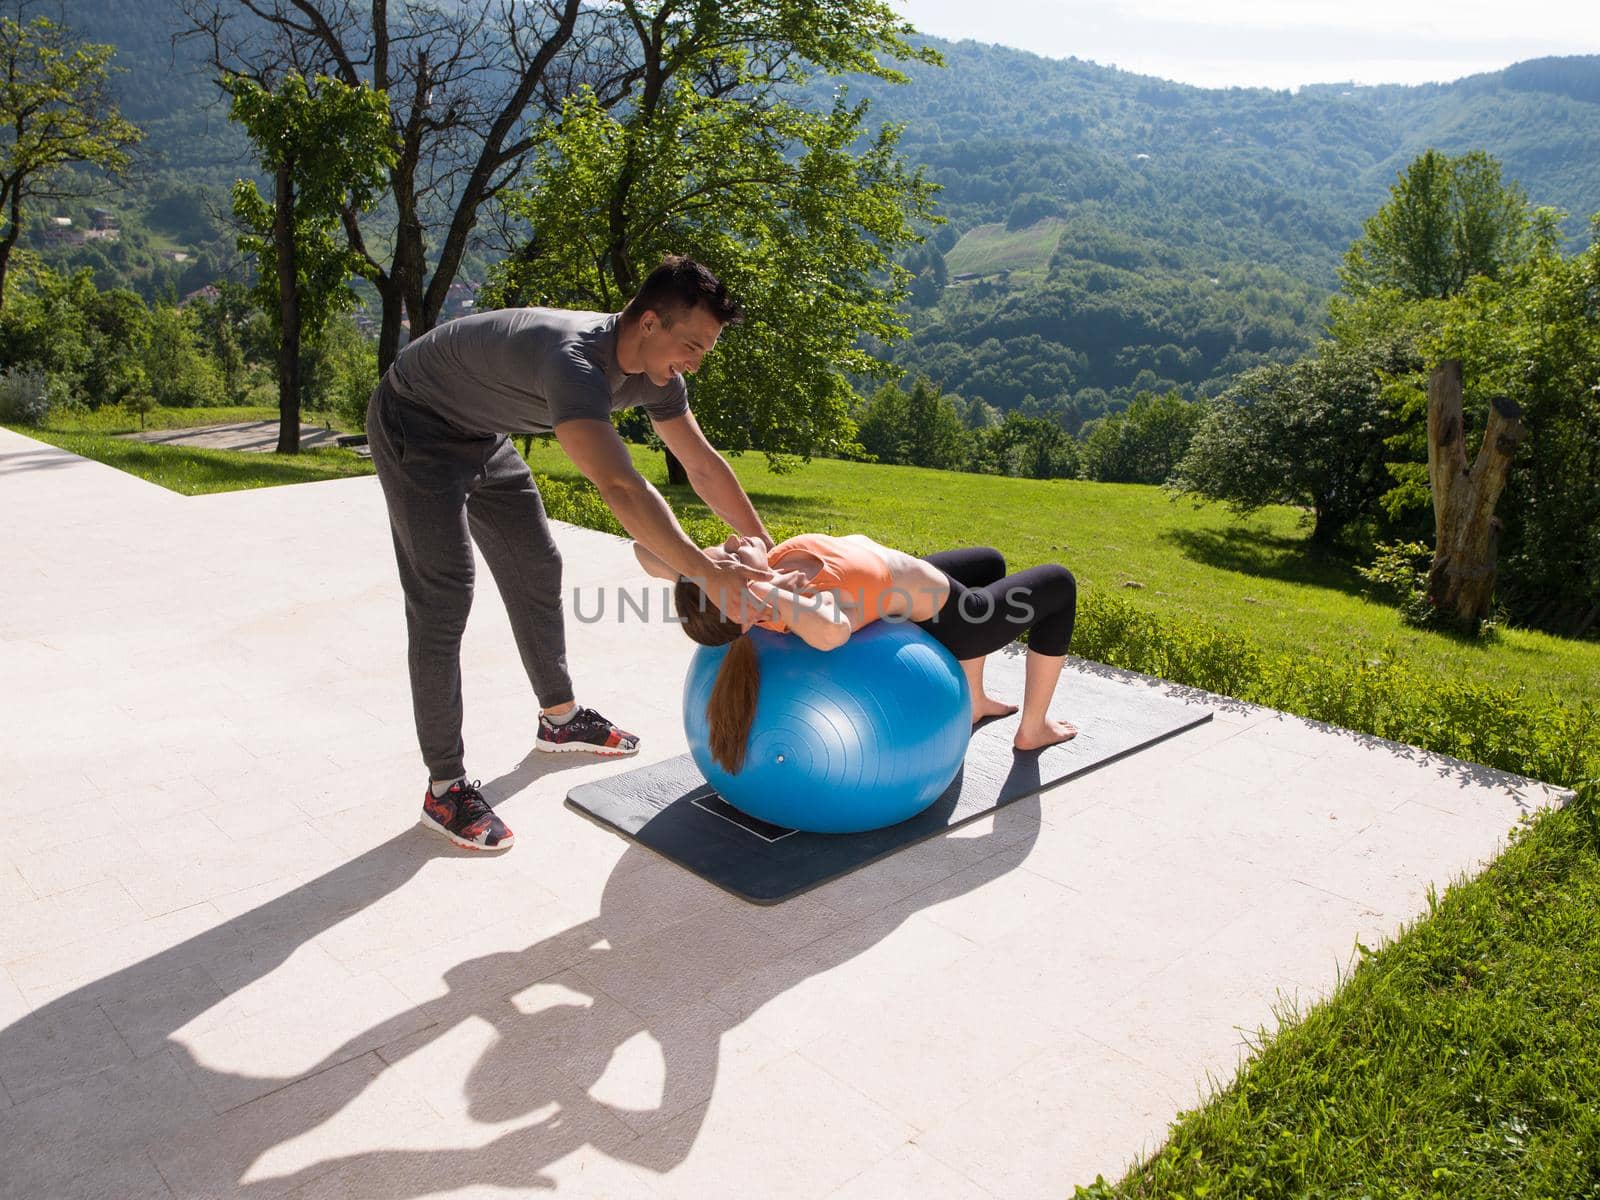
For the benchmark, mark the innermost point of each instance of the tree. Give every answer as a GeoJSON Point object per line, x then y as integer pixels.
{"type": "Point", "coordinates": [1532, 340]}
{"type": "Point", "coordinates": [460, 80]}
{"type": "Point", "coordinates": [55, 112]}
{"type": "Point", "coordinates": [881, 425]}
{"type": "Point", "coordinates": [1310, 433]}
{"type": "Point", "coordinates": [326, 147]}
{"type": "Point", "coordinates": [935, 436]}
{"type": "Point", "coordinates": [1446, 220]}
{"type": "Point", "coordinates": [1142, 444]}
{"type": "Point", "coordinates": [801, 213]}
{"type": "Point", "coordinates": [181, 374]}
{"type": "Point", "coordinates": [1467, 533]}
{"type": "Point", "coordinates": [1030, 447]}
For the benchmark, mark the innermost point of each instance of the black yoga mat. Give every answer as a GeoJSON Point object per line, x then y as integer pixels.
{"type": "Point", "coordinates": [669, 807]}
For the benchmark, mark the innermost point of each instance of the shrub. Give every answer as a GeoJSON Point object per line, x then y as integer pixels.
{"type": "Point", "coordinates": [1511, 728]}
{"type": "Point", "coordinates": [24, 396]}
{"type": "Point", "coordinates": [1399, 575]}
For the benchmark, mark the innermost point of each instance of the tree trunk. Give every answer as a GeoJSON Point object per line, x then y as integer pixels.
{"type": "Point", "coordinates": [288, 314]}
{"type": "Point", "coordinates": [389, 330]}
{"type": "Point", "coordinates": [675, 472]}
{"type": "Point", "coordinates": [13, 231]}
{"type": "Point", "coordinates": [1466, 531]}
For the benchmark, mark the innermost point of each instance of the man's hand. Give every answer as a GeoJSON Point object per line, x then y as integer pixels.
{"type": "Point", "coordinates": [726, 583]}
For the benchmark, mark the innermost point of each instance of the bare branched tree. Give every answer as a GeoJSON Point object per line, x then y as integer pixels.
{"type": "Point", "coordinates": [467, 84]}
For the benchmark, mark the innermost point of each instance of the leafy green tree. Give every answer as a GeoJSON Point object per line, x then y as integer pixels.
{"type": "Point", "coordinates": [922, 428]}
{"type": "Point", "coordinates": [1142, 444]}
{"type": "Point", "coordinates": [1447, 220]}
{"type": "Point", "coordinates": [802, 213]}
{"type": "Point", "coordinates": [237, 334]}
{"type": "Point", "coordinates": [327, 147]}
{"type": "Point", "coordinates": [881, 425]}
{"type": "Point", "coordinates": [344, 371]}
{"type": "Point", "coordinates": [1311, 433]}
{"type": "Point", "coordinates": [1534, 337]}
{"type": "Point", "coordinates": [56, 112]}
{"type": "Point", "coordinates": [91, 344]}
{"type": "Point", "coordinates": [934, 436]}
{"type": "Point", "coordinates": [181, 373]}
{"type": "Point", "coordinates": [1024, 446]}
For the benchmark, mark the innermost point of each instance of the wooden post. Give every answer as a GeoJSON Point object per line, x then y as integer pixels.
{"type": "Point", "coordinates": [1466, 531]}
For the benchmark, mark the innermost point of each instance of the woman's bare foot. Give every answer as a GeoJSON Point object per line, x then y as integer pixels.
{"type": "Point", "coordinates": [1049, 733]}
{"type": "Point", "coordinates": [985, 706]}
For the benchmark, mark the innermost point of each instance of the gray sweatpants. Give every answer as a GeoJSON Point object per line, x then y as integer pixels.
{"type": "Point", "coordinates": [443, 485]}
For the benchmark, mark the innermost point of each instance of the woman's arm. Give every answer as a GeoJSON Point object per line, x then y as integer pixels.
{"type": "Point", "coordinates": [818, 620]}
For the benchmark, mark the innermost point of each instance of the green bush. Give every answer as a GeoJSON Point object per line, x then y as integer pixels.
{"type": "Point", "coordinates": [1511, 728]}
{"type": "Point", "coordinates": [24, 396]}
{"type": "Point", "coordinates": [1399, 575]}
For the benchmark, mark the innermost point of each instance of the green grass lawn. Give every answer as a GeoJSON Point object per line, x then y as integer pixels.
{"type": "Point", "coordinates": [181, 468]}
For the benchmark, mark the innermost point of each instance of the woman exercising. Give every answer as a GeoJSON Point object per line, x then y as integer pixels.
{"type": "Point", "coordinates": [822, 588]}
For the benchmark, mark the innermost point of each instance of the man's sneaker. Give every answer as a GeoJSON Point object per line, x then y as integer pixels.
{"type": "Point", "coordinates": [464, 816]}
{"type": "Point", "coordinates": [587, 730]}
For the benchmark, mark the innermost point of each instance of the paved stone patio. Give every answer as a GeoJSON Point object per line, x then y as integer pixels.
{"type": "Point", "coordinates": [233, 965]}
{"type": "Point", "coordinates": [259, 436]}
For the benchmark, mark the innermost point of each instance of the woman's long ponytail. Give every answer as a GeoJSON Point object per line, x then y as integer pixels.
{"type": "Point", "coordinates": [732, 707]}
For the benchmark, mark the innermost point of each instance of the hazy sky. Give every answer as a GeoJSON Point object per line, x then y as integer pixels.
{"type": "Point", "coordinates": [1275, 43]}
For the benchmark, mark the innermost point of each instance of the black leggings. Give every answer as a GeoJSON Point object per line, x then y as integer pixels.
{"type": "Point", "coordinates": [987, 608]}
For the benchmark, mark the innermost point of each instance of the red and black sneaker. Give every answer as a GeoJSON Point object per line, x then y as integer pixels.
{"type": "Point", "coordinates": [587, 730]}
{"type": "Point", "coordinates": [465, 817]}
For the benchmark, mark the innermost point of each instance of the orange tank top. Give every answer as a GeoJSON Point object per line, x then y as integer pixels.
{"type": "Point", "coordinates": [856, 574]}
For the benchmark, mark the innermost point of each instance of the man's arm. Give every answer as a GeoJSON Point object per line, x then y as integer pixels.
{"type": "Point", "coordinates": [597, 451]}
{"type": "Point", "coordinates": [710, 476]}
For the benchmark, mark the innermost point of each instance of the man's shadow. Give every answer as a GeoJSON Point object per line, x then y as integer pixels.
{"type": "Point", "coordinates": [74, 1118]}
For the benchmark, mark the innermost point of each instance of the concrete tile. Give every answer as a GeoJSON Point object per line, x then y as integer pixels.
{"type": "Point", "coordinates": [131, 1176]}
{"type": "Point", "coordinates": [14, 890]}
{"type": "Point", "coordinates": [528, 1160]}
{"type": "Point", "coordinates": [1199, 1017]}
{"type": "Point", "coordinates": [831, 1134]}
{"type": "Point", "coordinates": [180, 1006]}
{"type": "Point", "coordinates": [13, 1005]}
{"type": "Point", "coordinates": [66, 918]}
{"type": "Point", "coordinates": [985, 902]}
{"type": "Point", "coordinates": [88, 1138]}
{"type": "Point", "coordinates": [93, 968]}
{"type": "Point", "coordinates": [51, 870]}
{"type": "Point", "coordinates": [677, 965]}
{"type": "Point", "coordinates": [1251, 755]}
{"type": "Point", "coordinates": [1389, 865]}
{"type": "Point", "coordinates": [236, 1063]}
{"type": "Point", "coordinates": [880, 885]}
{"type": "Point", "coordinates": [286, 1140]}
{"type": "Point", "coordinates": [63, 1045]}
{"type": "Point", "coordinates": [838, 979]}
{"type": "Point", "coordinates": [911, 1173]}
{"type": "Point", "coordinates": [635, 905]}
{"type": "Point", "coordinates": [1073, 1112]}
{"type": "Point", "coordinates": [981, 1032]}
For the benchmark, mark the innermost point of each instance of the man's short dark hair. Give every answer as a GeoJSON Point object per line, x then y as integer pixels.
{"type": "Point", "coordinates": [677, 286]}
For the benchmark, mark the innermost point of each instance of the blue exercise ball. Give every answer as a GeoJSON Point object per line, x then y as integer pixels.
{"type": "Point", "coordinates": [844, 740]}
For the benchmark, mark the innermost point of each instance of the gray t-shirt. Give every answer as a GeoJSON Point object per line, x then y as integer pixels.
{"type": "Point", "coordinates": [525, 370]}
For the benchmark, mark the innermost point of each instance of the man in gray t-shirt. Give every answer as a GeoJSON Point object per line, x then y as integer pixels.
{"type": "Point", "coordinates": [438, 426]}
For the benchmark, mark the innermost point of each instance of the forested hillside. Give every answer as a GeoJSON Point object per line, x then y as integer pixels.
{"type": "Point", "coordinates": [1105, 233]}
